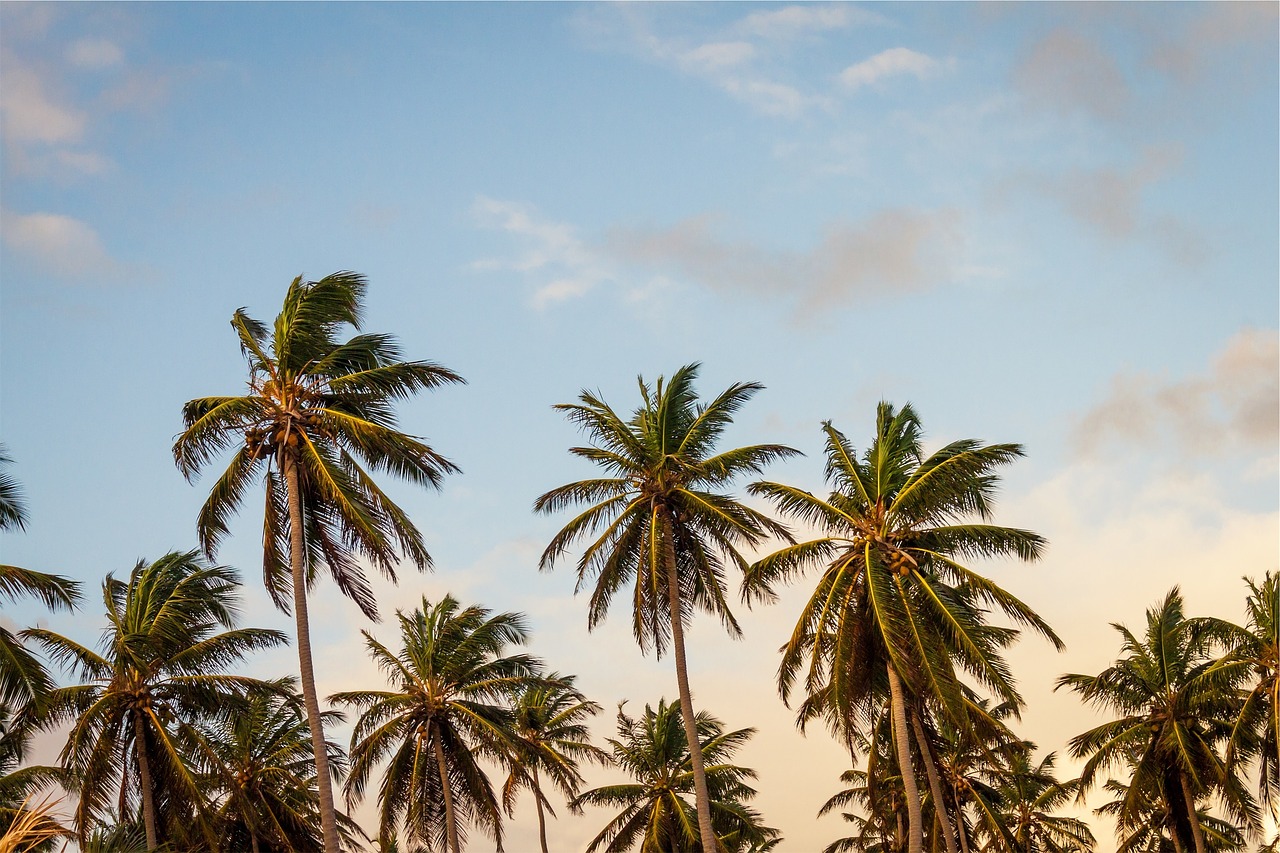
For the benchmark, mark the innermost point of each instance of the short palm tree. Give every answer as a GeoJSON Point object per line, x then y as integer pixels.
{"type": "Point", "coordinates": [1027, 797]}
{"type": "Point", "coordinates": [22, 677]}
{"type": "Point", "coordinates": [1174, 711]}
{"type": "Point", "coordinates": [162, 666]}
{"type": "Point", "coordinates": [261, 772]}
{"type": "Point", "coordinates": [895, 608]}
{"type": "Point", "coordinates": [656, 812]}
{"type": "Point", "coordinates": [661, 521]}
{"type": "Point", "coordinates": [317, 414]}
{"type": "Point", "coordinates": [21, 784]}
{"type": "Point", "coordinates": [455, 683]}
{"type": "Point", "coordinates": [552, 738]}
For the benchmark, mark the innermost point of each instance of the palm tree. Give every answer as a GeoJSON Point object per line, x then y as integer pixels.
{"type": "Point", "coordinates": [1173, 712]}
{"type": "Point", "coordinates": [1155, 829]}
{"type": "Point", "coordinates": [655, 809]}
{"type": "Point", "coordinates": [262, 772]}
{"type": "Point", "coordinates": [1026, 798]}
{"type": "Point", "coordinates": [663, 521]}
{"type": "Point", "coordinates": [452, 707]}
{"type": "Point", "coordinates": [315, 410]}
{"type": "Point", "coordinates": [22, 677]}
{"type": "Point", "coordinates": [552, 737]}
{"type": "Point", "coordinates": [163, 665]}
{"type": "Point", "coordinates": [1254, 659]}
{"type": "Point", "coordinates": [895, 608]}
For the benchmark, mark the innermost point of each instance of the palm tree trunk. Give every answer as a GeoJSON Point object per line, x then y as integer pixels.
{"type": "Point", "coordinates": [935, 785]}
{"type": "Point", "coordinates": [1197, 833]}
{"type": "Point", "coordinates": [902, 736]}
{"type": "Point", "coordinates": [542, 821]}
{"type": "Point", "coordinates": [253, 840]}
{"type": "Point", "coordinates": [702, 795]}
{"type": "Point", "coordinates": [144, 782]}
{"type": "Point", "coordinates": [297, 565]}
{"type": "Point", "coordinates": [450, 821]}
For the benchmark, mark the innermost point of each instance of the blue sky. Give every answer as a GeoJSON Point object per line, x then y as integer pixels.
{"type": "Point", "coordinates": [1052, 224]}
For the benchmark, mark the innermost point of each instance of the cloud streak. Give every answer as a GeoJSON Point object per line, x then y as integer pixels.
{"type": "Point", "coordinates": [57, 244]}
{"type": "Point", "coordinates": [895, 62]}
{"type": "Point", "coordinates": [1234, 405]}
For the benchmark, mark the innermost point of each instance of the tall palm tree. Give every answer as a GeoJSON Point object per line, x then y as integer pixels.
{"type": "Point", "coordinates": [162, 666]}
{"type": "Point", "coordinates": [895, 608]}
{"type": "Point", "coordinates": [1027, 797]}
{"type": "Point", "coordinates": [1254, 659]}
{"type": "Point", "coordinates": [318, 412]}
{"type": "Point", "coordinates": [22, 677]}
{"type": "Point", "coordinates": [262, 773]}
{"type": "Point", "coordinates": [552, 737]}
{"type": "Point", "coordinates": [663, 519]}
{"type": "Point", "coordinates": [1173, 712]}
{"type": "Point", "coordinates": [655, 810]}
{"type": "Point", "coordinates": [452, 707]}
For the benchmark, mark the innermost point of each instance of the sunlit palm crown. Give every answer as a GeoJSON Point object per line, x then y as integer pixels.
{"type": "Point", "coordinates": [455, 687]}
{"type": "Point", "coordinates": [330, 403]}
{"type": "Point", "coordinates": [1175, 708]}
{"type": "Point", "coordinates": [897, 523]}
{"type": "Point", "coordinates": [163, 665]}
{"type": "Point", "coordinates": [665, 487]}
{"type": "Point", "coordinates": [656, 811]}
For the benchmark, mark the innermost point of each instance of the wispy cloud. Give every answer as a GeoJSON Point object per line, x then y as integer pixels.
{"type": "Point", "coordinates": [1069, 72]}
{"type": "Point", "coordinates": [890, 253]}
{"type": "Point", "coordinates": [94, 53]}
{"type": "Point", "coordinates": [1233, 405]}
{"type": "Point", "coordinates": [895, 62]}
{"type": "Point", "coordinates": [793, 21]}
{"type": "Point", "coordinates": [552, 250]}
{"type": "Point", "coordinates": [56, 244]}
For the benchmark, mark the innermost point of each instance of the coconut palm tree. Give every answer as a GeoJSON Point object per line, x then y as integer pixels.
{"type": "Point", "coordinates": [162, 666]}
{"type": "Point", "coordinates": [1254, 658]}
{"type": "Point", "coordinates": [1174, 711]}
{"type": "Point", "coordinates": [455, 682]}
{"type": "Point", "coordinates": [661, 521]}
{"type": "Point", "coordinates": [552, 737]}
{"type": "Point", "coordinates": [318, 413]}
{"type": "Point", "coordinates": [1155, 830]}
{"type": "Point", "coordinates": [895, 611]}
{"type": "Point", "coordinates": [261, 772]}
{"type": "Point", "coordinates": [1020, 817]}
{"type": "Point", "coordinates": [22, 677]}
{"type": "Point", "coordinates": [656, 812]}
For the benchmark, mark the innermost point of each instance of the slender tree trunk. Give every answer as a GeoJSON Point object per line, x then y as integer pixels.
{"type": "Point", "coordinates": [935, 784]}
{"type": "Point", "coordinates": [297, 564]}
{"type": "Point", "coordinates": [253, 840]}
{"type": "Point", "coordinates": [1173, 827]}
{"type": "Point", "coordinates": [1197, 833]}
{"type": "Point", "coordinates": [703, 797]}
{"type": "Point", "coordinates": [542, 821]}
{"type": "Point", "coordinates": [902, 735]}
{"type": "Point", "coordinates": [144, 781]}
{"type": "Point", "coordinates": [450, 820]}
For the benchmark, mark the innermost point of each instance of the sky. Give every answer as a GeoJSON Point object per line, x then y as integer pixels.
{"type": "Point", "coordinates": [1048, 224]}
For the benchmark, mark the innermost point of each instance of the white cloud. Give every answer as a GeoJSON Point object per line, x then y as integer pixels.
{"type": "Point", "coordinates": [94, 54]}
{"type": "Point", "coordinates": [715, 56]}
{"type": "Point", "coordinates": [552, 247]}
{"type": "Point", "coordinates": [1231, 407]}
{"type": "Point", "coordinates": [792, 21]}
{"type": "Point", "coordinates": [57, 244]}
{"type": "Point", "coordinates": [894, 62]}
{"type": "Point", "coordinates": [31, 113]}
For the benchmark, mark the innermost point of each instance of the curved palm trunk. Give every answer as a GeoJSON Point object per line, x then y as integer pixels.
{"type": "Point", "coordinates": [542, 821]}
{"type": "Point", "coordinates": [701, 794]}
{"type": "Point", "coordinates": [297, 565]}
{"type": "Point", "coordinates": [935, 785]}
{"type": "Point", "coordinates": [1197, 833]}
{"type": "Point", "coordinates": [450, 820]}
{"type": "Point", "coordinates": [144, 782]}
{"type": "Point", "coordinates": [902, 737]}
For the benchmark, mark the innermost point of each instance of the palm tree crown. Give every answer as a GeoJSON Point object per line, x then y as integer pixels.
{"type": "Point", "coordinates": [453, 707]}
{"type": "Point", "coordinates": [655, 810]}
{"type": "Point", "coordinates": [162, 667]}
